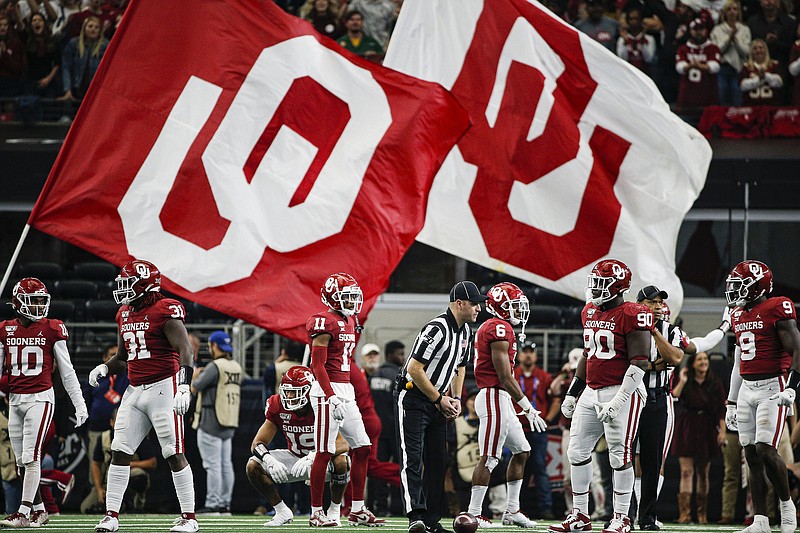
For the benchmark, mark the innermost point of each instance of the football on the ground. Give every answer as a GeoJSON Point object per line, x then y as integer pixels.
{"type": "Point", "coordinates": [465, 523]}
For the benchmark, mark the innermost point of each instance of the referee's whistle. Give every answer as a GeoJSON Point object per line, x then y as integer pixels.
{"type": "Point", "coordinates": [409, 385]}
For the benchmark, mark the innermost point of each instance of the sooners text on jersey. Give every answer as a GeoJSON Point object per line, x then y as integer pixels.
{"type": "Point", "coordinates": [340, 348]}
{"type": "Point", "coordinates": [756, 335]}
{"type": "Point", "coordinates": [604, 340]}
{"type": "Point", "coordinates": [151, 357]}
{"type": "Point", "coordinates": [29, 353]}
{"type": "Point", "coordinates": [298, 430]}
{"type": "Point", "coordinates": [494, 329]}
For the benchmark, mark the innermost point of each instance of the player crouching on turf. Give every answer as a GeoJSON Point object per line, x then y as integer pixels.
{"type": "Point", "coordinates": [291, 411]}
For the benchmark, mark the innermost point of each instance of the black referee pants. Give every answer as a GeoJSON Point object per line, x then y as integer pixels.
{"type": "Point", "coordinates": [652, 432]}
{"type": "Point", "coordinates": [423, 456]}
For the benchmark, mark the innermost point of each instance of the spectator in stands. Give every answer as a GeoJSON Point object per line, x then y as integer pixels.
{"type": "Point", "coordinates": [776, 29]}
{"type": "Point", "coordinates": [357, 41]}
{"type": "Point", "coordinates": [81, 58]}
{"type": "Point", "coordinates": [105, 12]}
{"type": "Point", "coordinates": [676, 33]}
{"type": "Point", "coordinates": [324, 15]}
{"type": "Point", "coordinates": [794, 70]}
{"type": "Point", "coordinates": [378, 18]}
{"type": "Point", "coordinates": [733, 40]}
{"type": "Point", "coordinates": [290, 6]}
{"type": "Point", "coordinates": [598, 26]}
{"type": "Point", "coordinates": [12, 60]}
{"type": "Point", "coordinates": [699, 432]}
{"type": "Point", "coordinates": [634, 45]}
{"type": "Point", "coordinates": [62, 11]}
{"type": "Point", "coordinates": [103, 401]}
{"type": "Point", "coordinates": [381, 384]}
{"type": "Point", "coordinates": [760, 78]}
{"type": "Point", "coordinates": [697, 62]}
{"type": "Point", "coordinates": [535, 384]}
{"type": "Point", "coordinates": [370, 359]}
{"type": "Point", "coordinates": [143, 460]}
{"type": "Point", "coordinates": [43, 58]}
{"type": "Point", "coordinates": [219, 387]}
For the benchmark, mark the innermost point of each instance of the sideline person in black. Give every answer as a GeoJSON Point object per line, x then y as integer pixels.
{"type": "Point", "coordinates": [436, 366]}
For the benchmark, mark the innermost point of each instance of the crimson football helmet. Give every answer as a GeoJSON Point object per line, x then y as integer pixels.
{"type": "Point", "coordinates": [295, 386]}
{"type": "Point", "coordinates": [135, 279]}
{"type": "Point", "coordinates": [30, 299]}
{"type": "Point", "coordinates": [342, 293]}
{"type": "Point", "coordinates": [608, 279]}
{"type": "Point", "coordinates": [748, 281]}
{"type": "Point", "coordinates": [507, 301]}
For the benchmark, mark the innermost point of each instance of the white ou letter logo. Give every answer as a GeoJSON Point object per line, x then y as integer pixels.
{"type": "Point", "coordinates": [143, 270]}
{"type": "Point", "coordinates": [755, 269]}
{"type": "Point", "coordinates": [259, 211]}
{"type": "Point", "coordinates": [618, 271]}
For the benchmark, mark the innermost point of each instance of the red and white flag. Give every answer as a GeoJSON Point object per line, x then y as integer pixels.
{"type": "Point", "coordinates": [248, 158]}
{"type": "Point", "coordinates": [573, 155]}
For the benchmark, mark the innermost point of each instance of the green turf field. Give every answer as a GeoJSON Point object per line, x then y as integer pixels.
{"type": "Point", "coordinates": [247, 523]}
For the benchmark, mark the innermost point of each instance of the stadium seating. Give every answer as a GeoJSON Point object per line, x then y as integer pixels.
{"type": "Point", "coordinates": [545, 316]}
{"type": "Point", "coordinates": [77, 289]}
{"type": "Point", "coordinates": [95, 271]}
{"type": "Point", "coordinates": [62, 310]}
{"type": "Point", "coordinates": [101, 310]}
{"type": "Point", "coordinates": [41, 270]}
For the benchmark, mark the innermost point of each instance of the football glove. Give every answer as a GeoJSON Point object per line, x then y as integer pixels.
{"type": "Point", "coordinates": [81, 415]}
{"type": "Point", "coordinates": [730, 417]}
{"type": "Point", "coordinates": [568, 406]}
{"type": "Point", "coordinates": [536, 422]}
{"type": "Point", "coordinates": [276, 470]}
{"type": "Point", "coordinates": [338, 407]}
{"type": "Point", "coordinates": [302, 468]}
{"type": "Point", "coordinates": [180, 403]}
{"type": "Point", "coordinates": [100, 371]}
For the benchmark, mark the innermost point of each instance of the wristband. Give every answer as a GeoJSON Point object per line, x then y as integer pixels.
{"type": "Point", "coordinates": [185, 375]}
{"type": "Point", "coordinates": [438, 400]}
{"type": "Point", "coordinates": [260, 451]}
{"type": "Point", "coordinates": [457, 398]}
{"type": "Point", "coordinates": [525, 404]}
{"type": "Point", "coordinates": [576, 387]}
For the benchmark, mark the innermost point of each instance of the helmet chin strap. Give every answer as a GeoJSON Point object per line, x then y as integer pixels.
{"type": "Point", "coordinates": [522, 335]}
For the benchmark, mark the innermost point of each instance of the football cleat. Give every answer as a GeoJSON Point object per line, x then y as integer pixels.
{"type": "Point", "coordinates": [417, 526]}
{"type": "Point", "coordinates": [788, 518]}
{"type": "Point", "coordinates": [67, 489]}
{"type": "Point", "coordinates": [15, 520]}
{"type": "Point", "coordinates": [280, 519]}
{"type": "Point", "coordinates": [320, 519]}
{"type": "Point", "coordinates": [575, 521]}
{"type": "Point", "coordinates": [108, 523]}
{"type": "Point", "coordinates": [619, 524]}
{"type": "Point", "coordinates": [40, 518]}
{"type": "Point", "coordinates": [485, 523]}
{"type": "Point", "coordinates": [364, 517]}
{"type": "Point", "coordinates": [518, 519]}
{"type": "Point", "coordinates": [185, 525]}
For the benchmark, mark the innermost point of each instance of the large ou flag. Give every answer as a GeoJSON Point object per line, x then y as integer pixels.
{"type": "Point", "coordinates": [248, 158]}
{"type": "Point", "coordinates": [573, 155]}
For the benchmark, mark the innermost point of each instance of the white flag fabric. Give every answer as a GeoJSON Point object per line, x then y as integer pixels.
{"type": "Point", "coordinates": [573, 155]}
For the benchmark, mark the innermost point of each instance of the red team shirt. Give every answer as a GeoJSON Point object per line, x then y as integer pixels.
{"type": "Point", "coordinates": [763, 94]}
{"type": "Point", "coordinates": [490, 331]}
{"type": "Point", "coordinates": [756, 335]}
{"type": "Point", "coordinates": [151, 357]}
{"type": "Point", "coordinates": [698, 88]}
{"type": "Point", "coordinates": [298, 430]}
{"type": "Point", "coordinates": [340, 348]}
{"type": "Point", "coordinates": [604, 340]}
{"type": "Point", "coordinates": [29, 353]}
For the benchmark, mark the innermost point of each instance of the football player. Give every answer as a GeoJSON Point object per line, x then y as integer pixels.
{"type": "Point", "coordinates": [333, 339]}
{"type": "Point", "coordinates": [28, 345]}
{"type": "Point", "coordinates": [154, 346]}
{"type": "Point", "coordinates": [495, 353]}
{"type": "Point", "coordinates": [761, 394]}
{"type": "Point", "coordinates": [606, 395]}
{"type": "Point", "coordinates": [290, 411]}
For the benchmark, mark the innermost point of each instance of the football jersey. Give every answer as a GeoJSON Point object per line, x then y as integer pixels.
{"type": "Point", "coordinates": [697, 87]}
{"type": "Point", "coordinates": [604, 340]}
{"type": "Point", "coordinates": [492, 330]}
{"type": "Point", "coordinates": [29, 353]}
{"type": "Point", "coordinates": [340, 348]}
{"type": "Point", "coordinates": [298, 430]}
{"type": "Point", "coordinates": [763, 94]}
{"type": "Point", "coordinates": [756, 335]}
{"type": "Point", "coordinates": [151, 357]}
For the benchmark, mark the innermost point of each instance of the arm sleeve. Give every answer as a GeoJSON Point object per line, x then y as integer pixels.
{"type": "Point", "coordinates": [622, 51]}
{"type": "Point", "coordinates": [736, 378]}
{"type": "Point", "coordinates": [67, 372]}
{"type": "Point", "coordinates": [319, 354]}
{"type": "Point", "coordinates": [704, 344]}
{"type": "Point", "coordinates": [649, 49]}
{"type": "Point", "coordinates": [633, 378]}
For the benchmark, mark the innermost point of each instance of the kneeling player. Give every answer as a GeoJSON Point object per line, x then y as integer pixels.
{"type": "Point", "coordinates": [291, 411]}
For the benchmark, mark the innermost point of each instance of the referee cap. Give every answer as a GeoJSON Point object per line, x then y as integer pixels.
{"type": "Point", "coordinates": [651, 292]}
{"type": "Point", "coordinates": [466, 290]}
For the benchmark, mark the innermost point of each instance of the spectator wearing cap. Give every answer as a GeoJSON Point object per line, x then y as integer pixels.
{"type": "Point", "coordinates": [219, 387]}
{"type": "Point", "coordinates": [536, 386]}
{"type": "Point", "coordinates": [598, 26]}
{"type": "Point", "coordinates": [427, 395]}
{"type": "Point", "coordinates": [370, 359]}
{"type": "Point", "coordinates": [697, 63]}
{"type": "Point", "coordinates": [386, 498]}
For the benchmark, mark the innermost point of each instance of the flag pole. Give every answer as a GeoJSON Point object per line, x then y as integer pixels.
{"type": "Point", "coordinates": [14, 257]}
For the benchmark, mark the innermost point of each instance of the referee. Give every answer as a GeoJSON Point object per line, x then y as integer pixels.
{"type": "Point", "coordinates": [436, 366]}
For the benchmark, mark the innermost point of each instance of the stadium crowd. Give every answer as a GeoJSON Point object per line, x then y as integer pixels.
{"type": "Point", "coordinates": [699, 53]}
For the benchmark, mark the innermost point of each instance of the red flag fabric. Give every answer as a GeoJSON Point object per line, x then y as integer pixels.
{"type": "Point", "coordinates": [248, 158]}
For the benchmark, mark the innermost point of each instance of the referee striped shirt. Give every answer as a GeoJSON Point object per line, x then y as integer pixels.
{"type": "Point", "coordinates": [659, 379]}
{"type": "Point", "coordinates": [441, 347]}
